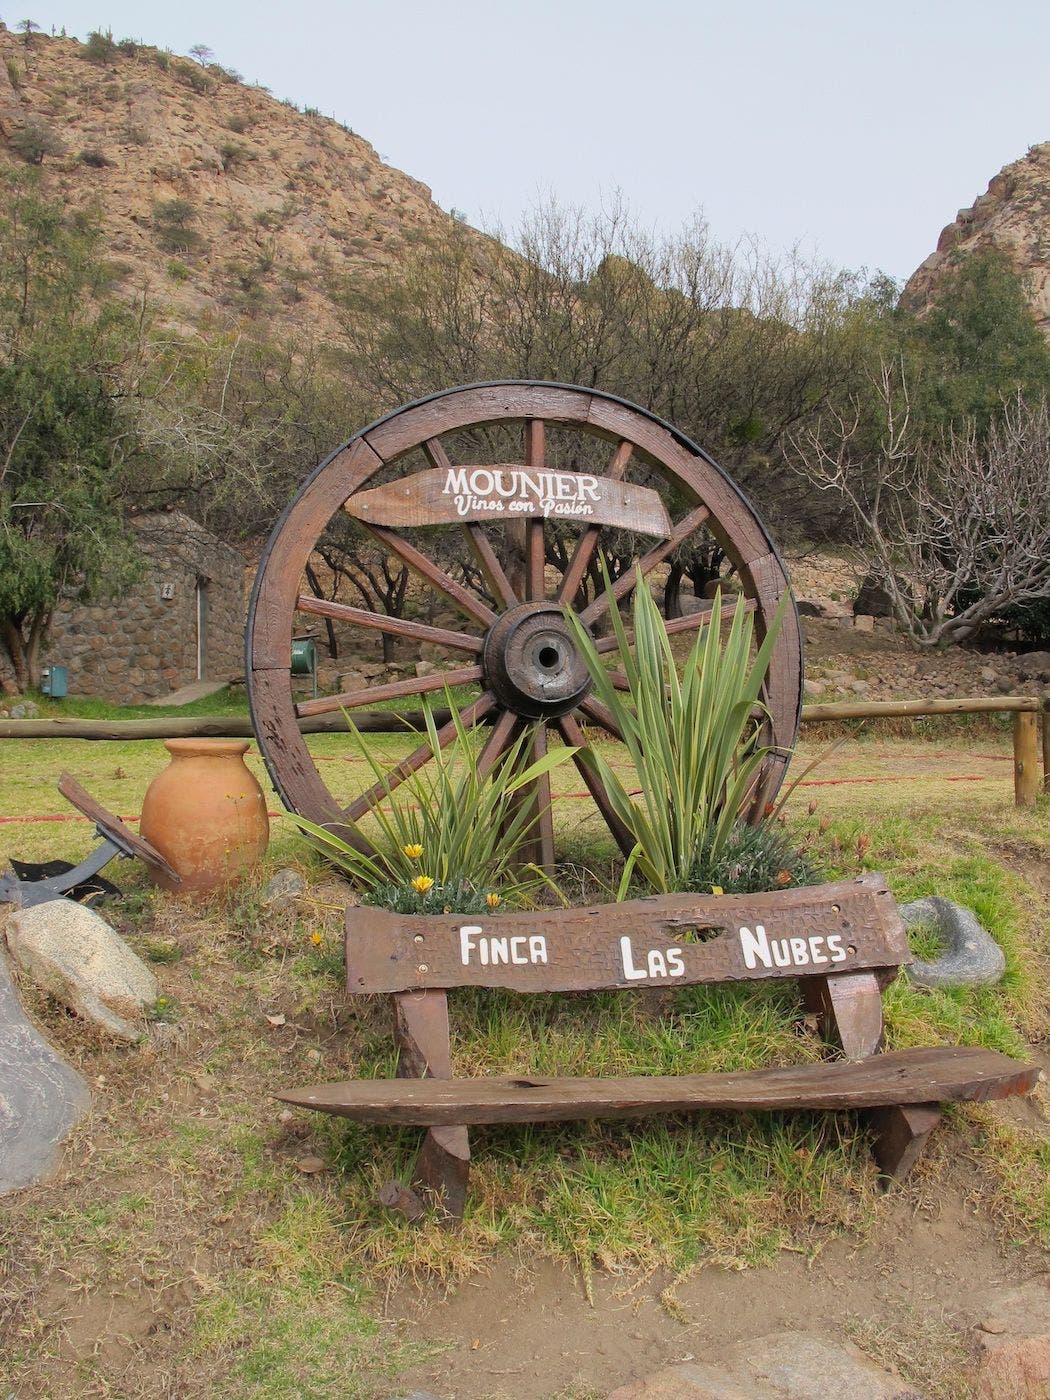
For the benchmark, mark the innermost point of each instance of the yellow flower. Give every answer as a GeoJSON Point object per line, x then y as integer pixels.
{"type": "Point", "coordinates": [717, 889]}
{"type": "Point", "coordinates": [413, 852]}
{"type": "Point", "coordinates": [422, 883]}
{"type": "Point", "coordinates": [317, 939]}
{"type": "Point", "coordinates": [493, 901]}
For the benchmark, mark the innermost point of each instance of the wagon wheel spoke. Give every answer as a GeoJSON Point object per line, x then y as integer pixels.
{"type": "Point", "coordinates": [469, 716]}
{"type": "Point", "coordinates": [575, 738]}
{"type": "Point", "coordinates": [685, 527]}
{"type": "Point", "coordinates": [577, 567]}
{"type": "Point", "coordinates": [491, 566]}
{"type": "Point", "coordinates": [398, 626]}
{"type": "Point", "coordinates": [691, 622]}
{"type": "Point", "coordinates": [498, 741]}
{"type": "Point", "coordinates": [537, 847]}
{"type": "Point", "coordinates": [535, 543]}
{"type": "Point", "coordinates": [456, 594]}
{"type": "Point", "coordinates": [593, 708]}
{"type": "Point", "coordinates": [396, 690]}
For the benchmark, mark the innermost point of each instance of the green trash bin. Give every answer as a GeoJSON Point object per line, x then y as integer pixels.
{"type": "Point", "coordinates": [54, 681]}
{"type": "Point", "coordinates": [304, 659]}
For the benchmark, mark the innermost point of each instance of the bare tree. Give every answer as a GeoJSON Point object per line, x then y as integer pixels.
{"type": "Point", "coordinates": [955, 530]}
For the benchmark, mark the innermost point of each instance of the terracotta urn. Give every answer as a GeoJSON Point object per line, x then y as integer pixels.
{"type": "Point", "coordinates": [206, 814]}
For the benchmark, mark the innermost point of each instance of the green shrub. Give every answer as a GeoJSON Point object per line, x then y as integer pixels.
{"type": "Point", "coordinates": [100, 47]}
{"type": "Point", "coordinates": [35, 141]}
{"type": "Point", "coordinates": [97, 159]}
{"type": "Point", "coordinates": [14, 74]}
{"type": "Point", "coordinates": [751, 860]}
{"type": "Point", "coordinates": [694, 742]}
{"type": "Point", "coordinates": [450, 843]}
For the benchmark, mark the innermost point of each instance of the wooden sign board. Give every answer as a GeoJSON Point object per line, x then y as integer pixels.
{"type": "Point", "coordinates": [664, 941]}
{"type": "Point", "coordinates": [506, 491]}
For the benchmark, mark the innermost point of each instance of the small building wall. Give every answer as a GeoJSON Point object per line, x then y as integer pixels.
{"type": "Point", "coordinates": [143, 644]}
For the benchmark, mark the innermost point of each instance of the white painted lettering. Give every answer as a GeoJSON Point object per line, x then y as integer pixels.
{"type": "Point", "coordinates": [799, 952]}
{"type": "Point", "coordinates": [589, 487]}
{"type": "Point", "coordinates": [632, 973]}
{"type": "Point", "coordinates": [498, 951]}
{"type": "Point", "coordinates": [755, 947]}
{"type": "Point", "coordinates": [657, 965]}
{"type": "Point", "coordinates": [675, 965]}
{"type": "Point", "coordinates": [537, 948]}
{"type": "Point", "coordinates": [835, 948]}
{"type": "Point", "coordinates": [467, 935]}
{"type": "Point", "coordinates": [516, 955]}
{"type": "Point", "coordinates": [815, 945]}
{"type": "Point", "coordinates": [781, 952]}
{"type": "Point", "coordinates": [456, 481]}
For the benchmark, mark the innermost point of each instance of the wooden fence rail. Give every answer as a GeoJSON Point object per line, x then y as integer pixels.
{"type": "Point", "coordinates": [1030, 715]}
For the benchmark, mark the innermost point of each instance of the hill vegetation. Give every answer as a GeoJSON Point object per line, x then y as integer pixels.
{"type": "Point", "coordinates": [204, 290]}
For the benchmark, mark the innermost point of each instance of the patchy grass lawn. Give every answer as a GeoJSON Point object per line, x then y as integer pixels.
{"type": "Point", "coordinates": [190, 1247]}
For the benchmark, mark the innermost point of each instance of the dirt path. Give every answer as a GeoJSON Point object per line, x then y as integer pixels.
{"type": "Point", "coordinates": [910, 1295]}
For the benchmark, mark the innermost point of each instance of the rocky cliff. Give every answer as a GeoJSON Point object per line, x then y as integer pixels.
{"type": "Point", "coordinates": [1013, 216]}
{"type": "Point", "coordinates": [220, 200]}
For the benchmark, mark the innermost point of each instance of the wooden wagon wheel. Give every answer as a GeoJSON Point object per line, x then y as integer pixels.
{"type": "Point", "coordinates": [518, 653]}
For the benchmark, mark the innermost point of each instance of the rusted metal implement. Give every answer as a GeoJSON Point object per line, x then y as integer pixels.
{"type": "Point", "coordinates": [115, 839]}
{"type": "Point", "coordinates": [514, 641]}
{"type": "Point", "coordinates": [843, 942]}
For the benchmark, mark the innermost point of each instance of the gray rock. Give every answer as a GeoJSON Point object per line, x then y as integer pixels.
{"type": "Point", "coordinates": [41, 1097]}
{"type": "Point", "coordinates": [784, 1366]}
{"type": "Point", "coordinates": [988, 675]}
{"type": "Point", "coordinates": [352, 680]}
{"type": "Point", "coordinates": [71, 952]}
{"type": "Point", "coordinates": [1013, 1343]}
{"type": "Point", "coordinates": [282, 888]}
{"type": "Point", "coordinates": [813, 688]}
{"type": "Point", "coordinates": [805, 1366]}
{"type": "Point", "coordinates": [864, 622]}
{"type": "Point", "coordinates": [971, 955]}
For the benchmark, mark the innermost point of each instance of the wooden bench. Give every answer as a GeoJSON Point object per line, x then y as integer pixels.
{"type": "Point", "coordinates": [843, 942]}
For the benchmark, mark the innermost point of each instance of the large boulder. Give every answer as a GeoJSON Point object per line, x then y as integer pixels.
{"type": "Point", "coordinates": [41, 1097]}
{"type": "Point", "coordinates": [71, 952]}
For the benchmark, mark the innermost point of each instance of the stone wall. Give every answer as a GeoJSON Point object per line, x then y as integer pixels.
{"type": "Point", "coordinates": [144, 644]}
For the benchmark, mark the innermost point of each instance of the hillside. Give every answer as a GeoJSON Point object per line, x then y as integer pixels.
{"type": "Point", "coordinates": [1012, 216]}
{"type": "Point", "coordinates": [219, 199]}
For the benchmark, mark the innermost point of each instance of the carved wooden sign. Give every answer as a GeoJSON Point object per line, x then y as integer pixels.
{"type": "Point", "coordinates": [662, 941]}
{"type": "Point", "coordinates": [506, 491]}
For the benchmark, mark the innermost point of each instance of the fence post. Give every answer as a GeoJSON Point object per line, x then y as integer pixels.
{"type": "Point", "coordinates": [1026, 757]}
{"type": "Point", "coordinates": [1045, 717]}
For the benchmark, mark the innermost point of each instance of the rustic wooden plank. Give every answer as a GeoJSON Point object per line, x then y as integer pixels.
{"type": "Point", "coordinates": [948, 1075]}
{"type": "Point", "coordinates": [398, 626]}
{"type": "Point", "coordinates": [805, 932]}
{"type": "Point", "coordinates": [421, 1028]}
{"type": "Point", "coordinates": [504, 491]}
{"type": "Point", "coordinates": [575, 738]}
{"type": "Point", "coordinates": [112, 827]}
{"type": "Point", "coordinates": [849, 1008]}
{"type": "Point", "coordinates": [395, 690]}
{"type": "Point", "coordinates": [899, 1134]}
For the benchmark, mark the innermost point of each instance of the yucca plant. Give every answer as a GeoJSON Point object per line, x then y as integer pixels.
{"type": "Point", "coordinates": [694, 740]}
{"type": "Point", "coordinates": [445, 840]}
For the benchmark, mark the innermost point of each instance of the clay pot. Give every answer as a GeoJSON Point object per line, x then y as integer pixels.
{"type": "Point", "coordinates": [205, 814]}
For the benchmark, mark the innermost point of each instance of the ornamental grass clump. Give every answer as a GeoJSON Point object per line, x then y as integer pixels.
{"type": "Point", "coordinates": [694, 741]}
{"type": "Point", "coordinates": [446, 841]}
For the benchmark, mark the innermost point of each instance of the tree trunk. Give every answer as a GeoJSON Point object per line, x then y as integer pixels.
{"type": "Point", "coordinates": [14, 645]}
{"type": "Point", "coordinates": [673, 591]}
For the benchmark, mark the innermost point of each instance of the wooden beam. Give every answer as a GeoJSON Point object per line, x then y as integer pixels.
{"type": "Point", "coordinates": [1027, 778]}
{"type": "Point", "coordinates": [946, 1075]}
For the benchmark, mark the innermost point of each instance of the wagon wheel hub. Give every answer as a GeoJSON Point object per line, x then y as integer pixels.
{"type": "Point", "coordinates": [531, 662]}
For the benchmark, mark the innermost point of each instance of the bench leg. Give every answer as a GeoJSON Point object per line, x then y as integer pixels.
{"type": "Point", "coordinates": [442, 1168]}
{"type": "Point", "coordinates": [900, 1132]}
{"type": "Point", "coordinates": [849, 1008]}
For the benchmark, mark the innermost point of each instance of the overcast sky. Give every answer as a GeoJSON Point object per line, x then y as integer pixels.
{"type": "Point", "coordinates": [856, 129]}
